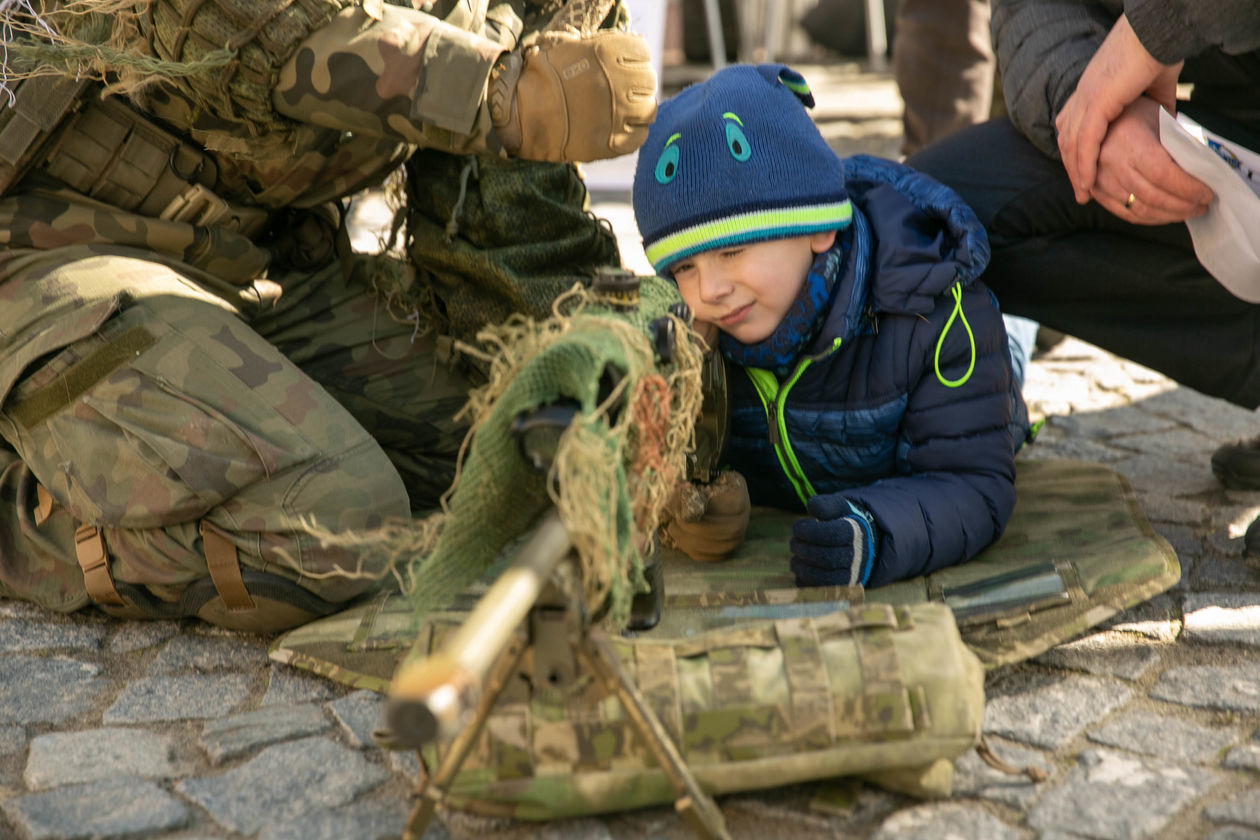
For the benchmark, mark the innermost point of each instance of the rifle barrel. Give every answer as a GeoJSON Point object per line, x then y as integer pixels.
{"type": "Point", "coordinates": [430, 698]}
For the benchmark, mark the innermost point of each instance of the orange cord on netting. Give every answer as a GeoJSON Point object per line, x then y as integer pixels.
{"type": "Point", "coordinates": [650, 415]}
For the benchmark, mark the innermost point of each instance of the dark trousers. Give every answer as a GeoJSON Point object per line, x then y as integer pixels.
{"type": "Point", "coordinates": [1134, 290]}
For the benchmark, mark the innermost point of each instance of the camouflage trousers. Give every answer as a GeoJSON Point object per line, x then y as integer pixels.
{"type": "Point", "coordinates": [167, 417]}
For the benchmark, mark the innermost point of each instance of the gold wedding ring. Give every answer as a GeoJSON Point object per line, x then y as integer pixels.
{"type": "Point", "coordinates": [1128, 202]}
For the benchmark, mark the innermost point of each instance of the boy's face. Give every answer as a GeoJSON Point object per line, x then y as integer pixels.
{"type": "Point", "coordinates": [746, 290]}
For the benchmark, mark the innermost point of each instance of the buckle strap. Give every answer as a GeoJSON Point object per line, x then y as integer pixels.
{"type": "Point", "coordinates": [225, 567]}
{"type": "Point", "coordinates": [89, 548]}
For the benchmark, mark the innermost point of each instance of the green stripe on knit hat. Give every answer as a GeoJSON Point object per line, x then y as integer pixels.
{"type": "Point", "coordinates": [777, 223]}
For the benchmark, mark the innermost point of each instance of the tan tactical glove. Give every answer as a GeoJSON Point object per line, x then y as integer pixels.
{"type": "Point", "coordinates": [574, 97]}
{"type": "Point", "coordinates": [707, 521]}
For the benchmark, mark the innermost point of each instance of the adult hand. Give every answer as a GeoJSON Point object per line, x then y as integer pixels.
{"type": "Point", "coordinates": [1120, 72]}
{"type": "Point", "coordinates": [1132, 162]}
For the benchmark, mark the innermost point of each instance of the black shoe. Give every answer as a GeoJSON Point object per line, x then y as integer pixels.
{"type": "Point", "coordinates": [1237, 465]}
{"type": "Point", "coordinates": [1251, 539]}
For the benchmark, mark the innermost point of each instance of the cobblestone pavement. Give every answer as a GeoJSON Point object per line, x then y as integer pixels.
{"type": "Point", "coordinates": [1147, 727]}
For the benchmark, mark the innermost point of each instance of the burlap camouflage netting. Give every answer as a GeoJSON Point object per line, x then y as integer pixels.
{"type": "Point", "coordinates": [615, 464]}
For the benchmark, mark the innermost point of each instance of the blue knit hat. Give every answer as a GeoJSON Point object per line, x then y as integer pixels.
{"type": "Point", "coordinates": [736, 159]}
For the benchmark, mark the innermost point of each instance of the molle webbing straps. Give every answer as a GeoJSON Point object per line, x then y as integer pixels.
{"type": "Point", "coordinates": [89, 548]}
{"type": "Point", "coordinates": [225, 567]}
{"type": "Point", "coordinates": [39, 105]}
{"type": "Point", "coordinates": [110, 152]}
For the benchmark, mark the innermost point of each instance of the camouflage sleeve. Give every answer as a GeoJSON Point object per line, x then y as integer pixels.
{"type": "Point", "coordinates": [393, 72]}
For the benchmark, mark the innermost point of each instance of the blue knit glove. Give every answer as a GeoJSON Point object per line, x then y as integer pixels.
{"type": "Point", "coordinates": [837, 547]}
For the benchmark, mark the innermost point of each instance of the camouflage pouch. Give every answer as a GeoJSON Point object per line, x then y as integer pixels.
{"type": "Point", "coordinates": [891, 692]}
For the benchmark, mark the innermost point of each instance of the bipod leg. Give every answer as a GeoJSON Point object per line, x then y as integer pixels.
{"type": "Point", "coordinates": [695, 806]}
{"type": "Point", "coordinates": [434, 788]}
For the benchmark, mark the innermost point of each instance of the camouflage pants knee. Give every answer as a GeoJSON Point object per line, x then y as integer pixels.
{"type": "Point", "coordinates": [177, 433]}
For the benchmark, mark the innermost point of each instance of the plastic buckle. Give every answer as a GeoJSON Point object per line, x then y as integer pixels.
{"type": "Point", "coordinates": [196, 205]}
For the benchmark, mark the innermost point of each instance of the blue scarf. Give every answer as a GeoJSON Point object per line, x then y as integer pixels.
{"type": "Point", "coordinates": [779, 351]}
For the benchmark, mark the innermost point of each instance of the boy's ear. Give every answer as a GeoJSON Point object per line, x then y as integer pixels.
{"type": "Point", "coordinates": [781, 74]}
{"type": "Point", "coordinates": [819, 242]}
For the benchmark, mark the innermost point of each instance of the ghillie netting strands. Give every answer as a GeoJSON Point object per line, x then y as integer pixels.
{"type": "Point", "coordinates": [92, 39]}
{"type": "Point", "coordinates": [615, 465]}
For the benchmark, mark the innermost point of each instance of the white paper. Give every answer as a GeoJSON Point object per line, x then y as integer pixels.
{"type": "Point", "coordinates": [1227, 237]}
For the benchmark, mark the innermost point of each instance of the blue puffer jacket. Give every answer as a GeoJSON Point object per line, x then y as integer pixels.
{"type": "Point", "coordinates": [904, 403]}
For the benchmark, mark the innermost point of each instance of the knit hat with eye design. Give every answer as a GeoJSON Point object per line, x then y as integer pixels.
{"type": "Point", "coordinates": [733, 160]}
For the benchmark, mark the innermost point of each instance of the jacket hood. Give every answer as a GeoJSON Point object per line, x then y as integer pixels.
{"type": "Point", "coordinates": [919, 239]}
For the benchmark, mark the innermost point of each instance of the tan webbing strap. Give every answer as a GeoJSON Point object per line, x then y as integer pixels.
{"type": "Point", "coordinates": [225, 568]}
{"type": "Point", "coordinates": [89, 548]}
{"type": "Point", "coordinates": [44, 504]}
{"type": "Point", "coordinates": [813, 708]}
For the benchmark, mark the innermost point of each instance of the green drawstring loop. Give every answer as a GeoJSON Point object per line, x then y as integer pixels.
{"type": "Point", "coordinates": [956, 291]}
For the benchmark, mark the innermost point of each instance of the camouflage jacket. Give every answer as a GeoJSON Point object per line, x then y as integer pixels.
{"type": "Point", "coordinates": [354, 97]}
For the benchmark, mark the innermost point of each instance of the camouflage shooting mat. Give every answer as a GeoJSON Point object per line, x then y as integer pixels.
{"type": "Point", "coordinates": [1077, 551]}
{"type": "Point", "coordinates": [760, 684]}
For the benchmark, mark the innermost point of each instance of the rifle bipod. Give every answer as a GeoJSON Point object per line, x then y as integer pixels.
{"type": "Point", "coordinates": [452, 693]}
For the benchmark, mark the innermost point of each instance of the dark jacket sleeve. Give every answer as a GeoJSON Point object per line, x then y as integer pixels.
{"type": "Point", "coordinates": [960, 491]}
{"type": "Point", "coordinates": [1174, 30]}
{"type": "Point", "coordinates": [1042, 48]}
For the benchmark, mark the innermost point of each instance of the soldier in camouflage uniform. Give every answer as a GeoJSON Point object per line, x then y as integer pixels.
{"type": "Point", "coordinates": [194, 372]}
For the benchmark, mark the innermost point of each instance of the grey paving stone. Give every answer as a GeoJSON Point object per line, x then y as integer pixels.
{"type": "Point", "coordinates": [589, 829]}
{"type": "Point", "coordinates": [1223, 617]}
{"type": "Point", "coordinates": [1153, 474]}
{"type": "Point", "coordinates": [1080, 450]}
{"type": "Point", "coordinates": [361, 821]}
{"type": "Point", "coordinates": [116, 808]}
{"type": "Point", "coordinates": [51, 690]}
{"type": "Point", "coordinates": [12, 740]}
{"type": "Point", "coordinates": [180, 697]}
{"type": "Point", "coordinates": [948, 821]}
{"type": "Point", "coordinates": [1181, 443]}
{"type": "Point", "coordinates": [1158, 618]}
{"type": "Point", "coordinates": [131, 636]}
{"type": "Point", "coordinates": [1160, 507]}
{"type": "Point", "coordinates": [1246, 757]}
{"type": "Point", "coordinates": [1218, 572]}
{"type": "Point", "coordinates": [209, 653]}
{"type": "Point", "coordinates": [22, 609]}
{"type": "Point", "coordinates": [23, 634]}
{"type": "Point", "coordinates": [1108, 654]}
{"type": "Point", "coordinates": [1230, 687]}
{"type": "Point", "coordinates": [236, 735]}
{"type": "Point", "coordinates": [404, 762]}
{"type": "Point", "coordinates": [1185, 541]}
{"type": "Point", "coordinates": [1050, 716]}
{"type": "Point", "coordinates": [66, 758]}
{"type": "Point", "coordinates": [1112, 796]}
{"type": "Point", "coordinates": [1101, 424]}
{"type": "Point", "coordinates": [1233, 832]}
{"type": "Point", "coordinates": [973, 777]}
{"type": "Point", "coordinates": [1242, 808]}
{"type": "Point", "coordinates": [359, 713]}
{"type": "Point", "coordinates": [1167, 737]}
{"type": "Point", "coordinates": [288, 686]}
{"type": "Point", "coordinates": [1217, 419]}
{"type": "Point", "coordinates": [283, 783]}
